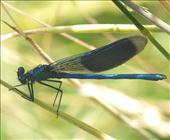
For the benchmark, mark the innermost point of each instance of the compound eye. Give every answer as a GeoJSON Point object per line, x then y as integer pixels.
{"type": "Point", "coordinates": [21, 71]}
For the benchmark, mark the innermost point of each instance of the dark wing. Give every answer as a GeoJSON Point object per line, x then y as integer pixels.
{"type": "Point", "coordinates": [101, 59]}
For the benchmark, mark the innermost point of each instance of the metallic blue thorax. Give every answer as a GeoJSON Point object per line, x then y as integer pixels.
{"type": "Point", "coordinates": [39, 73]}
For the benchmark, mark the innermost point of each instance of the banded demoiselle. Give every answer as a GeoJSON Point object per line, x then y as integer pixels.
{"type": "Point", "coordinates": [84, 65]}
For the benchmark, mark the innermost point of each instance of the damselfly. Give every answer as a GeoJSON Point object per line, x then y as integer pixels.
{"type": "Point", "coordinates": [83, 66]}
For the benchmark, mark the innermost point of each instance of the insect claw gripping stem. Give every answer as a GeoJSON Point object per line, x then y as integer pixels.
{"type": "Point", "coordinates": [12, 88]}
{"type": "Point", "coordinates": [27, 98]}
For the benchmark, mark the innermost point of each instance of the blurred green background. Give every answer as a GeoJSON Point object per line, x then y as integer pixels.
{"type": "Point", "coordinates": [24, 120]}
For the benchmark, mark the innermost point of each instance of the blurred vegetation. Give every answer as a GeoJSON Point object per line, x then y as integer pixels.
{"type": "Point", "coordinates": [24, 120]}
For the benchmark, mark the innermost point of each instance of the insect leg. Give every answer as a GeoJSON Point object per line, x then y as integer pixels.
{"type": "Point", "coordinates": [31, 92]}
{"type": "Point", "coordinates": [58, 90]}
{"type": "Point", "coordinates": [60, 84]}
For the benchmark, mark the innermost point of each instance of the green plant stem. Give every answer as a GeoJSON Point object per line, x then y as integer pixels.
{"type": "Point", "coordinates": [86, 28]}
{"type": "Point", "coordinates": [148, 15]}
{"type": "Point", "coordinates": [142, 29]}
{"type": "Point", "coordinates": [63, 115]}
{"type": "Point", "coordinates": [65, 35]}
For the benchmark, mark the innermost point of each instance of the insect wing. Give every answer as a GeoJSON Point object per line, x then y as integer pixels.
{"type": "Point", "coordinates": [70, 64]}
{"type": "Point", "coordinates": [101, 59]}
